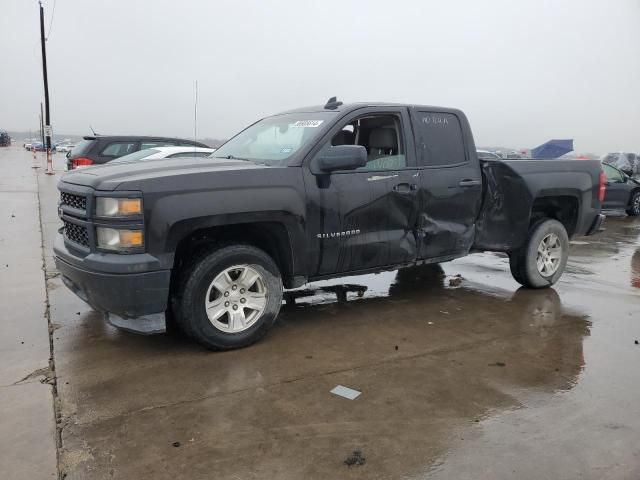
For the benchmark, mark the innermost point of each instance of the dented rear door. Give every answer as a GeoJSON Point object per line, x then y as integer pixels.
{"type": "Point", "coordinates": [450, 190]}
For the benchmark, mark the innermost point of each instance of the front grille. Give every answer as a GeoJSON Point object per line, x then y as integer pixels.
{"type": "Point", "coordinates": [74, 201]}
{"type": "Point", "coordinates": [76, 233]}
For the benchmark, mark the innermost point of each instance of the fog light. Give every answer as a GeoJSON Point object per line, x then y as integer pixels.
{"type": "Point", "coordinates": [118, 239]}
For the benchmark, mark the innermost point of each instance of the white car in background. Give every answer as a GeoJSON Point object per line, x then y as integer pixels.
{"type": "Point", "coordinates": [64, 147]}
{"type": "Point", "coordinates": [166, 152]}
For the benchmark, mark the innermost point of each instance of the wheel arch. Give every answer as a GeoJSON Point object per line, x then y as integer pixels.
{"type": "Point", "coordinates": [632, 194]}
{"type": "Point", "coordinates": [271, 236]}
{"type": "Point", "coordinates": [564, 207]}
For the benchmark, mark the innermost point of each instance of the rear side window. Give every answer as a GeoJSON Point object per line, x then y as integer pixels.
{"type": "Point", "coordinates": [119, 149]}
{"type": "Point", "coordinates": [81, 148]}
{"type": "Point", "coordinates": [439, 139]}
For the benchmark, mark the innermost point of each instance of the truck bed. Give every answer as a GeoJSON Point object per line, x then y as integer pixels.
{"type": "Point", "coordinates": [515, 189]}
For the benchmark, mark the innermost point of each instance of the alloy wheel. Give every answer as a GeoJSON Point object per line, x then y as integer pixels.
{"type": "Point", "coordinates": [549, 255]}
{"type": "Point", "coordinates": [236, 298]}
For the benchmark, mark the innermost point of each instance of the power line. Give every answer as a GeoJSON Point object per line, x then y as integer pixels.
{"type": "Point", "coordinates": [53, 13]}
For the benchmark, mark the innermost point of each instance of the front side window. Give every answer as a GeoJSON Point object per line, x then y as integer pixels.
{"type": "Point", "coordinates": [381, 135]}
{"type": "Point", "coordinates": [274, 140]}
{"type": "Point", "coordinates": [612, 174]}
{"type": "Point", "coordinates": [439, 139]}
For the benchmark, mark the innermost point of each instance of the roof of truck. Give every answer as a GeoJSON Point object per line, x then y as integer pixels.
{"type": "Point", "coordinates": [347, 107]}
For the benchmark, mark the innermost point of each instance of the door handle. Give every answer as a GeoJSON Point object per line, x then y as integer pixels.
{"type": "Point", "coordinates": [469, 183]}
{"type": "Point", "coordinates": [405, 187]}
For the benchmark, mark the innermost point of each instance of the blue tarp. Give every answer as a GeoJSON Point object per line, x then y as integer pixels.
{"type": "Point", "coordinates": [552, 149]}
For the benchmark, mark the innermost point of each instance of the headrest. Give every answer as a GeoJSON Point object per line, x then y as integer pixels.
{"type": "Point", "coordinates": [383, 138]}
{"type": "Point", "coordinates": [343, 137]}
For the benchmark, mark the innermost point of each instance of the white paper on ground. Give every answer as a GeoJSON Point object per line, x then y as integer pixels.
{"type": "Point", "coordinates": [346, 392]}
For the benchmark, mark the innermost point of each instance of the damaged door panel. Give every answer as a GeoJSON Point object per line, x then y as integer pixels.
{"type": "Point", "coordinates": [506, 209]}
{"type": "Point", "coordinates": [450, 184]}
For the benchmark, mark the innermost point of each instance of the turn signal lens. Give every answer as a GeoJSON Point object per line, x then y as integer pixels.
{"type": "Point", "coordinates": [118, 207]}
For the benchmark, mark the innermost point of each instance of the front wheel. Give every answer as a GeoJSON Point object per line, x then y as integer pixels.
{"type": "Point", "coordinates": [541, 261]}
{"type": "Point", "coordinates": [634, 205]}
{"type": "Point", "coordinates": [229, 297]}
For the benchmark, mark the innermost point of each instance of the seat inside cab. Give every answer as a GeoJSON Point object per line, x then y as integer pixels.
{"type": "Point", "coordinates": [380, 135]}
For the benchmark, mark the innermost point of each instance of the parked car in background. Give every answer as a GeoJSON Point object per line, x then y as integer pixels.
{"type": "Point", "coordinates": [65, 147]}
{"type": "Point", "coordinates": [166, 152]}
{"type": "Point", "coordinates": [99, 149]}
{"type": "Point", "coordinates": [5, 139]}
{"type": "Point", "coordinates": [487, 155]}
{"type": "Point", "coordinates": [622, 191]}
{"type": "Point", "coordinates": [629, 163]}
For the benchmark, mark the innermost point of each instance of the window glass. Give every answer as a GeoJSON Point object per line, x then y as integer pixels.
{"type": "Point", "coordinates": [157, 143]}
{"type": "Point", "coordinates": [274, 139]}
{"type": "Point", "coordinates": [119, 149]}
{"type": "Point", "coordinates": [439, 139]}
{"type": "Point", "coordinates": [189, 154]}
{"type": "Point", "coordinates": [81, 148]}
{"type": "Point", "coordinates": [612, 174]}
{"type": "Point", "coordinates": [139, 155]}
{"type": "Point", "coordinates": [381, 135]}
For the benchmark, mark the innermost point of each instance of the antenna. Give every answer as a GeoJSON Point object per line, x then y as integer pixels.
{"type": "Point", "coordinates": [92, 130]}
{"type": "Point", "coordinates": [332, 103]}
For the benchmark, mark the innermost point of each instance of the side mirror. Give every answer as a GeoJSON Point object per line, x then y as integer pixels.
{"type": "Point", "coordinates": [342, 157]}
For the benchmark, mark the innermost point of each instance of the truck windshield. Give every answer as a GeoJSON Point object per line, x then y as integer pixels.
{"type": "Point", "coordinates": [274, 139]}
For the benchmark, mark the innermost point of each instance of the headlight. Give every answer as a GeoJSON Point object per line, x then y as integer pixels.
{"type": "Point", "coordinates": [119, 239]}
{"type": "Point", "coordinates": [118, 207]}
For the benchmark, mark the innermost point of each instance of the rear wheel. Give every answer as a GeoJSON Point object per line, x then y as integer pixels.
{"type": "Point", "coordinates": [634, 205]}
{"type": "Point", "coordinates": [229, 297]}
{"type": "Point", "coordinates": [541, 261]}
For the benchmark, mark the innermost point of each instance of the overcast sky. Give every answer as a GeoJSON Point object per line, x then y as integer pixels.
{"type": "Point", "coordinates": [524, 71]}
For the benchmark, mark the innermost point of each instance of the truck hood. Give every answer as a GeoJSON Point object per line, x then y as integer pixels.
{"type": "Point", "coordinates": [111, 175]}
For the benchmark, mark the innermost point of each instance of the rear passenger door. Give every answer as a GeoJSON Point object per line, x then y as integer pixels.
{"type": "Point", "coordinates": [450, 190]}
{"type": "Point", "coordinates": [617, 191]}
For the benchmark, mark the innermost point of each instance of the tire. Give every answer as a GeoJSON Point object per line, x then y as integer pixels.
{"type": "Point", "coordinates": [524, 262]}
{"type": "Point", "coordinates": [212, 283]}
{"type": "Point", "coordinates": [634, 205]}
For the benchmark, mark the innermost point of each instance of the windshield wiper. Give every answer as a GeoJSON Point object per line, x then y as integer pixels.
{"type": "Point", "coordinates": [231, 157]}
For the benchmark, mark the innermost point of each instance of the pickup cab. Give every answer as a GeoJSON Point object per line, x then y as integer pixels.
{"type": "Point", "coordinates": [306, 195]}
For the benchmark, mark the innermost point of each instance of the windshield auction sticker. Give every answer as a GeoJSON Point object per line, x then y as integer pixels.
{"type": "Point", "coordinates": [307, 123]}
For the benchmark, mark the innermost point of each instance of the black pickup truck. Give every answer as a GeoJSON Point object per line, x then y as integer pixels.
{"type": "Point", "coordinates": [306, 195]}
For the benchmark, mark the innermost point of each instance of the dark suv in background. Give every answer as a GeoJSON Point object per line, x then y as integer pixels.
{"type": "Point", "coordinates": [98, 149]}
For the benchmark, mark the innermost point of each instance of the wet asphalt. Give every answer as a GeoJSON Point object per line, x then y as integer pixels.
{"type": "Point", "coordinates": [463, 374]}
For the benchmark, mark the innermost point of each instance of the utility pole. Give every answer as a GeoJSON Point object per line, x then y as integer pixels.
{"type": "Point", "coordinates": [42, 125]}
{"type": "Point", "coordinates": [47, 126]}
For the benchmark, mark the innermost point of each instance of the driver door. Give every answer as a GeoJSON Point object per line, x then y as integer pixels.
{"type": "Point", "coordinates": [365, 218]}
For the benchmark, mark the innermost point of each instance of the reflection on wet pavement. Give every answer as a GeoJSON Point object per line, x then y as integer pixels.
{"type": "Point", "coordinates": [429, 359]}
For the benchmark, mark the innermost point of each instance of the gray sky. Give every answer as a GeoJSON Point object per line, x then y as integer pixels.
{"type": "Point", "coordinates": [524, 71]}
